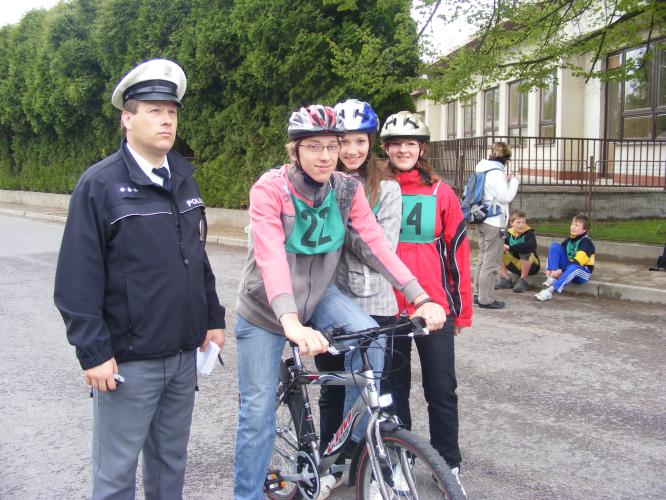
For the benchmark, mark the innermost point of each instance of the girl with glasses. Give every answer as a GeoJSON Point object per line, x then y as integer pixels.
{"type": "Point", "coordinates": [433, 244]}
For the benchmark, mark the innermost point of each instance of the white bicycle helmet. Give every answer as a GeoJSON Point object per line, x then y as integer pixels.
{"type": "Point", "coordinates": [314, 120]}
{"type": "Point", "coordinates": [405, 125]}
{"type": "Point", "coordinates": [357, 116]}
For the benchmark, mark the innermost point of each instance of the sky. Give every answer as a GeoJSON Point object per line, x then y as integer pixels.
{"type": "Point", "coordinates": [445, 39]}
{"type": "Point", "coordinates": [13, 10]}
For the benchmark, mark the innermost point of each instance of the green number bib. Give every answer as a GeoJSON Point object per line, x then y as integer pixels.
{"type": "Point", "coordinates": [316, 230]}
{"type": "Point", "coordinates": [418, 218]}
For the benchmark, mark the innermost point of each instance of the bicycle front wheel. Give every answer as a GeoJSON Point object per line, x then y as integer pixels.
{"type": "Point", "coordinates": [412, 469]}
{"type": "Point", "coordinates": [285, 449]}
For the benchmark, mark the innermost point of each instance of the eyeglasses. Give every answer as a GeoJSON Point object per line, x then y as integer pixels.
{"type": "Point", "coordinates": [405, 144]}
{"type": "Point", "coordinates": [315, 147]}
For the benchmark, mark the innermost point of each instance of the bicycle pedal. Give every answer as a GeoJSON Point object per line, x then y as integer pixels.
{"type": "Point", "coordinates": [274, 482]}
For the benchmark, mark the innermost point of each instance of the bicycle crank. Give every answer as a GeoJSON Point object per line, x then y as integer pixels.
{"type": "Point", "coordinates": [308, 485]}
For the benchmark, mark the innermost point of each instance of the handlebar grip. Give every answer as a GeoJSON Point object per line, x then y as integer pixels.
{"type": "Point", "coordinates": [334, 347]}
{"type": "Point", "coordinates": [419, 321]}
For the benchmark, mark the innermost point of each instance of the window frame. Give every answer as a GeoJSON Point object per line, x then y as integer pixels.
{"type": "Point", "coordinates": [451, 131]}
{"type": "Point", "coordinates": [469, 107]}
{"type": "Point", "coordinates": [523, 105]}
{"type": "Point", "coordinates": [494, 129]}
{"type": "Point", "coordinates": [543, 139]}
{"type": "Point", "coordinates": [654, 111]}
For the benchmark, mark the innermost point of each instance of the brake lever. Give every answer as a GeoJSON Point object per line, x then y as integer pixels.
{"type": "Point", "coordinates": [335, 348]}
{"type": "Point", "coordinates": [420, 327]}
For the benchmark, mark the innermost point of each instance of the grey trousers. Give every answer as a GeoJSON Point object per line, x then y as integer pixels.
{"type": "Point", "coordinates": [491, 249]}
{"type": "Point", "coordinates": [151, 411]}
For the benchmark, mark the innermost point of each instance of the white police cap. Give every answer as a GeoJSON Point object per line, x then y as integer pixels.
{"type": "Point", "coordinates": [153, 80]}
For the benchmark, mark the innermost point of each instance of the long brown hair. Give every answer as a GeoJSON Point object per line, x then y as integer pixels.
{"type": "Point", "coordinates": [425, 169]}
{"type": "Point", "coordinates": [373, 172]}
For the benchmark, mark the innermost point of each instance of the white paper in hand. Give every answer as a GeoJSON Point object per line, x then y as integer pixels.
{"type": "Point", "coordinates": [206, 360]}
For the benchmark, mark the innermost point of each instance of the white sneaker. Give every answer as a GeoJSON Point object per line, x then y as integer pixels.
{"type": "Point", "coordinates": [328, 483]}
{"type": "Point", "coordinates": [549, 281]}
{"type": "Point", "coordinates": [455, 471]}
{"type": "Point", "coordinates": [544, 295]}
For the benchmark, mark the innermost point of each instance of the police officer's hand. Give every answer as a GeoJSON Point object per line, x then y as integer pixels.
{"type": "Point", "coordinates": [101, 376]}
{"type": "Point", "coordinates": [309, 340]}
{"type": "Point", "coordinates": [216, 335]}
{"type": "Point", "coordinates": [432, 313]}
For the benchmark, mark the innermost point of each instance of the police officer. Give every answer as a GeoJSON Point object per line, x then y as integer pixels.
{"type": "Point", "coordinates": [136, 290]}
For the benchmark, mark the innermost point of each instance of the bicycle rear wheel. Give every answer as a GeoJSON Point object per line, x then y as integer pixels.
{"type": "Point", "coordinates": [410, 459]}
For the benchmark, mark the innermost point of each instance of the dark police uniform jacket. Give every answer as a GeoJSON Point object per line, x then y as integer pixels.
{"type": "Point", "coordinates": [133, 279]}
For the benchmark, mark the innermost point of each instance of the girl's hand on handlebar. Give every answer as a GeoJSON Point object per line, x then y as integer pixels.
{"type": "Point", "coordinates": [309, 340]}
{"type": "Point", "coordinates": [433, 314]}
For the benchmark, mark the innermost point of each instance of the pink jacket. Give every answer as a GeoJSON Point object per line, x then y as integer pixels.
{"type": "Point", "coordinates": [275, 282]}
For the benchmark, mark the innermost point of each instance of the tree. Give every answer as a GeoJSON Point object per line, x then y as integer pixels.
{"type": "Point", "coordinates": [528, 40]}
{"type": "Point", "coordinates": [249, 64]}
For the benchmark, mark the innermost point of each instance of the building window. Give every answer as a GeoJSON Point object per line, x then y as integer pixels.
{"type": "Point", "coordinates": [469, 117]}
{"type": "Point", "coordinates": [636, 108]}
{"type": "Point", "coordinates": [547, 111]}
{"type": "Point", "coordinates": [517, 110]}
{"type": "Point", "coordinates": [451, 120]}
{"type": "Point", "coordinates": [491, 111]}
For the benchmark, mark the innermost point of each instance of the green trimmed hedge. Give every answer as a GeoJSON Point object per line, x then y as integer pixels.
{"type": "Point", "coordinates": [249, 64]}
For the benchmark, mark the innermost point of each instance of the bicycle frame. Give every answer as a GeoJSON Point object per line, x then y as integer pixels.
{"type": "Point", "coordinates": [369, 401]}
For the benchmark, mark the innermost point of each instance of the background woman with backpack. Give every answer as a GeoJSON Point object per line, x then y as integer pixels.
{"type": "Point", "coordinates": [499, 190]}
{"type": "Point", "coordinates": [433, 244]}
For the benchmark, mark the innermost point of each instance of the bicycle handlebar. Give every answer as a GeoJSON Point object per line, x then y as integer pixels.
{"type": "Point", "coordinates": [413, 327]}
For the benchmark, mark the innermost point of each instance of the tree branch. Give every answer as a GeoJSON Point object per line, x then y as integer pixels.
{"type": "Point", "coordinates": [585, 39]}
{"type": "Point", "coordinates": [432, 14]}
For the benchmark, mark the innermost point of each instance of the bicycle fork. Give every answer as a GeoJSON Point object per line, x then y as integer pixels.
{"type": "Point", "coordinates": [381, 462]}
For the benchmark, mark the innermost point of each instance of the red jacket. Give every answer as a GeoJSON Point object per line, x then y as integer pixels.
{"type": "Point", "coordinates": [442, 267]}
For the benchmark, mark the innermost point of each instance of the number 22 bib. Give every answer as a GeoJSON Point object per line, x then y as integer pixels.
{"type": "Point", "coordinates": [316, 230]}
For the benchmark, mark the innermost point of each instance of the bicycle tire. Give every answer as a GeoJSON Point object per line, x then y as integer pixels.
{"type": "Point", "coordinates": [432, 477]}
{"type": "Point", "coordinates": [289, 408]}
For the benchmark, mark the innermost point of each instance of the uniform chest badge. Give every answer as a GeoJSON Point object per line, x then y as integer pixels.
{"type": "Point", "coordinates": [125, 190]}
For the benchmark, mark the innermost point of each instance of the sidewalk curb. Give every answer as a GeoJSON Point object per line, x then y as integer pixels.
{"type": "Point", "coordinates": [606, 290]}
{"type": "Point", "coordinates": [227, 240]}
{"type": "Point", "coordinates": [615, 291]}
{"type": "Point", "coordinates": [34, 215]}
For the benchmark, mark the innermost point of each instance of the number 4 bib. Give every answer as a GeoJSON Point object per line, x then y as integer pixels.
{"type": "Point", "coordinates": [316, 230]}
{"type": "Point", "coordinates": [418, 217]}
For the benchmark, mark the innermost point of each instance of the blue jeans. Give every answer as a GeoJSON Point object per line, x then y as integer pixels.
{"type": "Point", "coordinates": [259, 353]}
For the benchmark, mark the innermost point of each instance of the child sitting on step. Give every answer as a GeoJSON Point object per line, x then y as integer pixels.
{"type": "Point", "coordinates": [571, 260]}
{"type": "Point", "coordinates": [519, 254]}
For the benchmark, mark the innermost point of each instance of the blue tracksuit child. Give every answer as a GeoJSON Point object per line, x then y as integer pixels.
{"type": "Point", "coordinates": [571, 260]}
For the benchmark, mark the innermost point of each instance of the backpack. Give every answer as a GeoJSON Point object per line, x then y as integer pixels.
{"type": "Point", "coordinates": [473, 208]}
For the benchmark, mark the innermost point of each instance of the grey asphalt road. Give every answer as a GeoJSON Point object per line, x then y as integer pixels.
{"type": "Point", "coordinates": [565, 399]}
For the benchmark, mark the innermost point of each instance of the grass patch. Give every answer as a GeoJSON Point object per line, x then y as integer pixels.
{"type": "Point", "coordinates": [637, 231]}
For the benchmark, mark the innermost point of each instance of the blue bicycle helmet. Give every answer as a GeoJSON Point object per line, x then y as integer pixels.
{"type": "Point", "coordinates": [357, 116]}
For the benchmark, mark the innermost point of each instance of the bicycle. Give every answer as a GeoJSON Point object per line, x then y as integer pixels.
{"type": "Point", "coordinates": [390, 463]}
